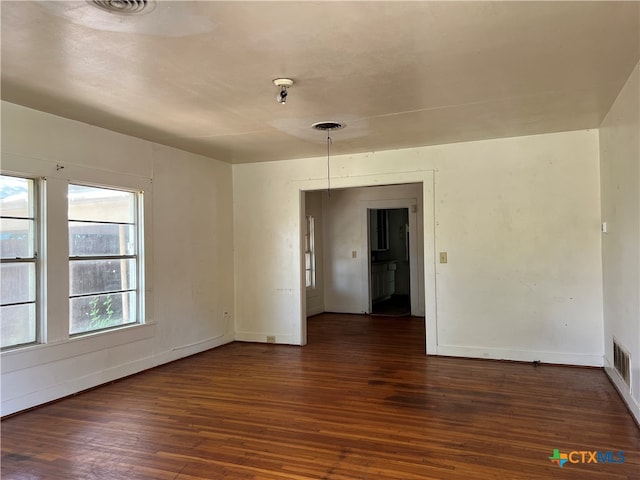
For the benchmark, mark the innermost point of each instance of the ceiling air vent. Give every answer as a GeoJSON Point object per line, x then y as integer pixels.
{"type": "Point", "coordinates": [124, 7]}
{"type": "Point", "coordinates": [621, 362]}
{"type": "Point", "coordinates": [328, 125]}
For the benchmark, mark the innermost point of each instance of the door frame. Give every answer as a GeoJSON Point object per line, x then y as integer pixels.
{"type": "Point", "coordinates": [415, 277]}
{"type": "Point", "coordinates": [426, 213]}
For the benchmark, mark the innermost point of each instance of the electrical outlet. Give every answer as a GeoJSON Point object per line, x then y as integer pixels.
{"type": "Point", "coordinates": [271, 339]}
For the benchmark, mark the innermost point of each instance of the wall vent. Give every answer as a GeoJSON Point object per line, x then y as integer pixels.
{"type": "Point", "coordinates": [621, 362]}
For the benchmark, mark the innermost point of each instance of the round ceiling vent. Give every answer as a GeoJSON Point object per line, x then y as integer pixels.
{"type": "Point", "coordinates": [328, 125]}
{"type": "Point", "coordinates": [125, 7]}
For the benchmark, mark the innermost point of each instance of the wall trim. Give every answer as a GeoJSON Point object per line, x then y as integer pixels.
{"type": "Point", "coordinates": [426, 177]}
{"type": "Point", "coordinates": [416, 281]}
{"type": "Point", "coordinates": [521, 355]}
{"type": "Point", "coordinates": [260, 337]}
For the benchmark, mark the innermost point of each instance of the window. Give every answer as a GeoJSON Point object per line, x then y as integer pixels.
{"type": "Point", "coordinates": [19, 266]}
{"type": "Point", "coordinates": [104, 258]}
{"type": "Point", "coordinates": [309, 252]}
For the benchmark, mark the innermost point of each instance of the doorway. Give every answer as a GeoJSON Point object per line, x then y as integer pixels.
{"type": "Point", "coordinates": [389, 261]}
{"type": "Point", "coordinates": [344, 255]}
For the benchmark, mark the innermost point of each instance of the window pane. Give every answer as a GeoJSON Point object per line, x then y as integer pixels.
{"type": "Point", "coordinates": [99, 276]}
{"type": "Point", "coordinates": [18, 283]}
{"type": "Point", "coordinates": [17, 279]}
{"type": "Point", "coordinates": [101, 204]}
{"type": "Point", "coordinates": [15, 197]}
{"type": "Point", "coordinates": [87, 239]}
{"type": "Point", "coordinates": [102, 311]}
{"type": "Point", "coordinates": [16, 239]}
{"type": "Point", "coordinates": [17, 325]}
{"type": "Point", "coordinates": [102, 223]}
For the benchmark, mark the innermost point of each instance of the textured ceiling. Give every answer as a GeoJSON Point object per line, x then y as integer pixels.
{"type": "Point", "coordinates": [198, 75]}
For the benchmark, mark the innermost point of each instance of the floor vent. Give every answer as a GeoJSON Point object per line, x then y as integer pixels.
{"type": "Point", "coordinates": [621, 362]}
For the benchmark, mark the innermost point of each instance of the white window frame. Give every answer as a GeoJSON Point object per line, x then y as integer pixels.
{"type": "Point", "coordinates": [138, 256]}
{"type": "Point", "coordinates": [54, 343]}
{"type": "Point", "coordinates": [310, 252]}
{"type": "Point", "coordinates": [37, 221]}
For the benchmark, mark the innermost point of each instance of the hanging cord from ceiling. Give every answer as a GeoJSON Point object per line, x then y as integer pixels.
{"type": "Point", "coordinates": [329, 141]}
{"type": "Point", "coordinates": [328, 127]}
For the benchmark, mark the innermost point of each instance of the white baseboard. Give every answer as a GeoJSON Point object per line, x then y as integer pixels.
{"type": "Point", "coordinates": [521, 355]}
{"type": "Point", "coordinates": [261, 337]}
{"type": "Point", "coordinates": [624, 391]}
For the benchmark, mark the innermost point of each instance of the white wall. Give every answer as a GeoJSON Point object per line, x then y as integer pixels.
{"type": "Point", "coordinates": [315, 296]}
{"type": "Point", "coordinates": [189, 243]}
{"type": "Point", "coordinates": [268, 215]}
{"type": "Point", "coordinates": [347, 278]}
{"type": "Point", "coordinates": [519, 218]}
{"type": "Point", "coordinates": [620, 183]}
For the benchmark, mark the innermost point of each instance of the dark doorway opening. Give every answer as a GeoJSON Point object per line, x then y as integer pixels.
{"type": "Point", "coordinates": [390, 274]}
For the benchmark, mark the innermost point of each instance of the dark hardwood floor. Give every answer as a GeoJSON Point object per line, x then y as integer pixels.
{"type": "Point", "coordinates": [361, 401]}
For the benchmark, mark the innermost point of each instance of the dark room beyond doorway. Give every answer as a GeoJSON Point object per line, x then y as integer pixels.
{"type": "Point", "coordinates": [389, 280]}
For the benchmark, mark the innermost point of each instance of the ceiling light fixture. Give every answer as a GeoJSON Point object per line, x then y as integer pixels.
{"type": "Point", "coordinates": [327, 127]}
{"type": "Point", "coordinates": [284, 84]}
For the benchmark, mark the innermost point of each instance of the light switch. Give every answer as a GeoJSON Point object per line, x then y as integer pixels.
{"type": "Point", "coordinates": [354, 254]}
{"type": "Point", "coordinates": [443, 257]}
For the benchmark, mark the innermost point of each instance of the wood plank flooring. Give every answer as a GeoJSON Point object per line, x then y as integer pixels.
{"type": "Point", "coordinates": [361, 401]}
